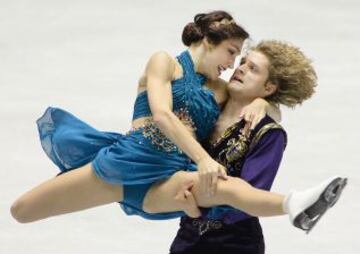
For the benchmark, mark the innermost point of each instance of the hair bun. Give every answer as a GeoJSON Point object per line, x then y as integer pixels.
{"type": "Point", "coordinates": [215, 26]}
{"type": "Point", "coordinates": [191, 33]}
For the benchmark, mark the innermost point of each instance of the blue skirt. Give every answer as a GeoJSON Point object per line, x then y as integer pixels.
{"type": "Point", "coordinates": [131, 160]}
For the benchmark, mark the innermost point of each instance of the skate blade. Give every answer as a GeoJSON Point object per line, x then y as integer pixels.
{"type": "Point", "coordinates": [333, 192]}
{"type": "Point", "coordinates": [311, 216]}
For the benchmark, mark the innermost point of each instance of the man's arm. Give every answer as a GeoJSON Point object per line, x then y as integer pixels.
{"type": "Point", "coordinates": [263, 160]}
{"type": "Point", "coordinates": [261, 165]}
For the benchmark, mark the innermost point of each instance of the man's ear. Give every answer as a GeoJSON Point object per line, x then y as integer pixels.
{"type": "Point", "coordinates": [270, 88]}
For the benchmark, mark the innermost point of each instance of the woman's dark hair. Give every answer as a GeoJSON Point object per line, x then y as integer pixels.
{"type": "Point", "coordinates": [216, 26]}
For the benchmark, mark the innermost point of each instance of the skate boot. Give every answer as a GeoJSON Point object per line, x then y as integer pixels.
{"type": "Point", "coordinates": [305, 208]}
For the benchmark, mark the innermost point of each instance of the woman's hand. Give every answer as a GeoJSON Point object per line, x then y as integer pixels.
{"type": "Point", "coordinates": [254, 112]}
{"type": "Point", "coordinates": [209, 171]}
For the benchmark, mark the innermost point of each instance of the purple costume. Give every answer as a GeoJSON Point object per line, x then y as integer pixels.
{"type": "Point", "coordinates": [224, 229]}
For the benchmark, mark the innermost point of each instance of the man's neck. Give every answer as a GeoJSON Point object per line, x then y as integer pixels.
{"type": "Point", "coordinates": [229, 116]}
{"type": "Point", "coordinates": [233, 108]}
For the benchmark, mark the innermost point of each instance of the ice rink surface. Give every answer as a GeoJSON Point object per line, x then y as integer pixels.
{"type": "Point", "coordinates": [87, 56]}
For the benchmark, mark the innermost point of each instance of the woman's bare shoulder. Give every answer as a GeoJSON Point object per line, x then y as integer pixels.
{"type": "Point", "coordinates": [162, 61]}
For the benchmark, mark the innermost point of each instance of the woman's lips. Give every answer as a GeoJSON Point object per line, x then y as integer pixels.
{"type": "Point", "coordinates": [220, 69]}
{"type": "Point", "coordinates": [235, 78]}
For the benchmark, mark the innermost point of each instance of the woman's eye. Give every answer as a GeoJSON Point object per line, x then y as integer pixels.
{"type": "Point", "coordinates": [231, 52]}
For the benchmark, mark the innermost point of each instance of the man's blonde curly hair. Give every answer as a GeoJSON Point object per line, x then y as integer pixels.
{"type": "Point", "coordinates": [290, 70]}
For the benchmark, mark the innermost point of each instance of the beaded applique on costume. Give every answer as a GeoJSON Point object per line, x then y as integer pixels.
{"type": "Point", "coordinates": [157, 138]}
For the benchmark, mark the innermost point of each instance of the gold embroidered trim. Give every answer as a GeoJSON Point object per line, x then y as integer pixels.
{"type": "Point", "coordinates": [262, 132]}
{"type": "Point", "coordinates": [228, 131]}
{"type": "Point", "coordinates": [236, 148]}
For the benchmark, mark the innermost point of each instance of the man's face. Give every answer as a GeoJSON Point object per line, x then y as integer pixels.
{"type": "Point", "coordinates": [250, 79]}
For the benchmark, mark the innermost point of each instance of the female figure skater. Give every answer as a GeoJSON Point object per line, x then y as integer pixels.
{"type": "Point", "coordinates": [174, 109]}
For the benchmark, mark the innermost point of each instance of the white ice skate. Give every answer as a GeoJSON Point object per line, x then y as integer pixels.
{"type": "Point", "coordinates": [305, 208]}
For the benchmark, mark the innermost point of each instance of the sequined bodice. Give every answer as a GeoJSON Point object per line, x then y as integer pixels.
{"type": "Point", "coordinates": [192, 102]}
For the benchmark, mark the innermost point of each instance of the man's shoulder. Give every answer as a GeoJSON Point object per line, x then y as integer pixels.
{"type": "Point", "coordinates": [267, 126]}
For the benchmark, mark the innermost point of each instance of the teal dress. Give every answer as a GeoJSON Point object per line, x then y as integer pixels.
{"type": "Point", "coordinates": [142, 156]}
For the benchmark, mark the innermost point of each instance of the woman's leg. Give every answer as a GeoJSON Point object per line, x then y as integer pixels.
{"type": "Point", "coordinates": [234, 192]}
{"type": "Point", "coordinates": [305, 208]}
{"type": "Point", "coordinates": [76, 190]}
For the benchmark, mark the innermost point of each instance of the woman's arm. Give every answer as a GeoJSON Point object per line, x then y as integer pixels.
{"type": "Point", "coordinates": [160, 72]}
{"type": "Point", "coordinates": [256, 110]}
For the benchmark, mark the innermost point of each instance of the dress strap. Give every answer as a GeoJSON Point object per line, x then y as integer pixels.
{"type": "Point", "coordinates": [189, 69]}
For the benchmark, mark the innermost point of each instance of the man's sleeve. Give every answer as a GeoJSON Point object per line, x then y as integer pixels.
{"type": "Point", "coordinates": [262, 162]}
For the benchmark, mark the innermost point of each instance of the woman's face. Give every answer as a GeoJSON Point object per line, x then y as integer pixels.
{"type": "Point", "coordinates": [250, 79]}
{"type": "Point", "coordinates": [221, 57]}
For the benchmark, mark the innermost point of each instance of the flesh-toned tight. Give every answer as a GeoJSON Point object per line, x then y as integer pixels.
{"type": "Point", "coordinates": [81, 189]}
